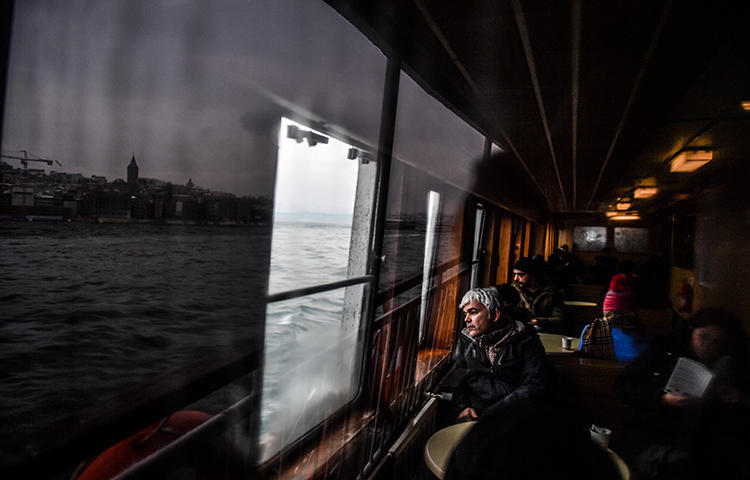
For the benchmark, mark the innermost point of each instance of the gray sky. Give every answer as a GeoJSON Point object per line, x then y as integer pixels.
{"type": "Point", "coordinates": [194, 89]}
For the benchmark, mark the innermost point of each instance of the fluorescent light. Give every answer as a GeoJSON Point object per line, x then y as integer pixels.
{"type": "Point", "coordinates": [610, 214]}
{"type": "Point", "coordinates": [628, 216]}
{"type": "Point", "coordinates": [645, 192]}
{"type": "Point", "coordinates": [690, 160]}
{"type": "Point", "coordinates": [746, 105]}
{"type": "Point", "coordinates": [623, 205]}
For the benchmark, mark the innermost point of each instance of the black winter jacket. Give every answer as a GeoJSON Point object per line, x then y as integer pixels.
{"type": "Point", "coordinates": [520, 372]}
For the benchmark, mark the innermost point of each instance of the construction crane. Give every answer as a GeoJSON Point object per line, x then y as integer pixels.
{"type": "Point", "coordinates": [26, 159]}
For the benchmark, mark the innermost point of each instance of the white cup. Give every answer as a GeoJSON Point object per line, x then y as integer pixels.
{"type": "Point", "coordinates": [567, 343]}
{"type": "Point", "coordinates": [600, 436]}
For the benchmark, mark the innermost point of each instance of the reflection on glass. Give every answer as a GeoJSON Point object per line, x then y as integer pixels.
{"type": "Point", "coordinates": [433, 214]}
{"type": "Point", "coordinates": [590, 239]}
{"type": "Point", "coordinates": [478, 228]}
{"type": "Point", "coordinates": [631, 240]}
{"type": "Point", "coordinates": [310, 363]}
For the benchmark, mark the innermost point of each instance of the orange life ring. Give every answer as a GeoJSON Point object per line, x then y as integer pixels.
{"type": "Point", "coordinates": [138, 446]}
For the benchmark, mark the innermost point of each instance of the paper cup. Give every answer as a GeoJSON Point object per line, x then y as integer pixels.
{"type": "Point", "coordinates": [601, 436]}
{"type": "Point", "coordinates": [567, 343]}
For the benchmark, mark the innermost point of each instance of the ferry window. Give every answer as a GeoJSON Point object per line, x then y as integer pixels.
{"type": "Point", "coordinates": [140, 272]}
{"type": "Point", "coordinates": [590, 239]}
{"type": "Point", "coordinates": [312, 350]}
{"type": "Point", "coordinates": [143, 245]}
{"type": "Point", "coordinates": [433, 138]}
{"type": "Point", "coordinates": [631, 240]}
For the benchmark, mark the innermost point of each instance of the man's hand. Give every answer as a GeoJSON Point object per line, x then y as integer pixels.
{"type": "Point", "coordinates": [467, 414]}
{"type": "Point", "coordinates": [673, 400]}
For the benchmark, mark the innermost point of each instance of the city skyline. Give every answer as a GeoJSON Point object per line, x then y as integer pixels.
{"type": "Point", "coordinates": [192, 92]}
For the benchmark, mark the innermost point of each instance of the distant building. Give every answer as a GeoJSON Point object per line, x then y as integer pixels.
{"type": "Point", "coordinates": [132, 174]}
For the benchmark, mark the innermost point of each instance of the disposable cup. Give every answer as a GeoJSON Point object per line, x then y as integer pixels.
{"type": "Point", "coordinates": [600, 436]}
{"type": "Point", "coordinates": [567, 343]}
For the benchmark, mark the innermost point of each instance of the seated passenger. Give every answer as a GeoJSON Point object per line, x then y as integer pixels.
{"type": "Point", "coordinates": [679, 436]}
{"type": "Point", "coordinates": [543, 303]}
{"type": "Point", "coordinates": [502, 358]}
{"type": "Point", "coordinates": [618, 334]}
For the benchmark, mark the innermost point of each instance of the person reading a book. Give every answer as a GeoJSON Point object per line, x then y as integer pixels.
{"type": "Point", "coordinates": [690, 396]}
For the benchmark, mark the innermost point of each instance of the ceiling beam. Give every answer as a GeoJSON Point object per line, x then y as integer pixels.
{"type": "Point", "coordinates": [575, 60]}
{"type": "Point", "coordinates": [528, 52]}
{"type": "Point", "coordinates": [631, 98]}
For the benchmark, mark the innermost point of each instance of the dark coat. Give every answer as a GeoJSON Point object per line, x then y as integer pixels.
{"type": "Point", "coordinates": [547, 307]}
{"type": "Point", "coordinates": [710, 433]}
{"type": "Point", "coordinates": [520, 371]}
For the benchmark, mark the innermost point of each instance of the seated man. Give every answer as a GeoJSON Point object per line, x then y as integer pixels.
{"type": "Point", "coordinates": [543, 303]}
{"type": "Point", "coordinates": [503, 358]}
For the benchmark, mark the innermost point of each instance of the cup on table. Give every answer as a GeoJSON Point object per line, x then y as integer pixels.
{"type": "Point", "coordinates": [600, 436]}
{"type": "Point", "coordinates": [567, 343]}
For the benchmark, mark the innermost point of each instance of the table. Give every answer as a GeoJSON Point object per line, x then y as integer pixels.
{"type": "Point", "coordinates": [438, 449]}
{"type": "Point", "coordinates": [553, 344]}
{"type": "Point", "coordinates": [622, 467]}
{"type": "Point", "coordinates": [579, 303]}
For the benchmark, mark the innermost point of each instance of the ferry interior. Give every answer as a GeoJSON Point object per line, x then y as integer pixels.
{"type": "Point", "coordinates": [459, 137]}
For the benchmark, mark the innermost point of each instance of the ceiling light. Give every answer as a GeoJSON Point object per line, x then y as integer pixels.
{"type": "Point", "coordinates": [611, 214]}
{"type": "Point", "coordinates": [645, 192]}
{"type": "Point", "coordinates": [623, 205]}
{"type": "Point", "coordinates": [690, 160]}
{"type": "Point", "coordinates": [746, 105]}
{"type": "Point", "coordinates": [627, 216]}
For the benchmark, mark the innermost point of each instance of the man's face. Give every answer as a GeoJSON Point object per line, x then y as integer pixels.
{"type": "Point", "coordinates": [523, 279]}
{"type": "Point", "coordinates": [708, 343]}
{"type": "Point", "coordinates": [477, 318]}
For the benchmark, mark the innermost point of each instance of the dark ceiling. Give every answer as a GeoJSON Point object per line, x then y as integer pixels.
{"type": "Point", "coordinates": [590, 97]}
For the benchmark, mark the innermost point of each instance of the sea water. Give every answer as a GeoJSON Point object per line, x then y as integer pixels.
{"type": "Point", "coordinates": [91, 310]}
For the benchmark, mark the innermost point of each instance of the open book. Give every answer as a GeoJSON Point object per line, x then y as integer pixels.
{"type": "Point", "coordinates": [689, 378]}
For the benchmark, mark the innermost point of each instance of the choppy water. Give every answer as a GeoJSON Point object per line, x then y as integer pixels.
{"type": "Point", "coordinates": [90, 310]}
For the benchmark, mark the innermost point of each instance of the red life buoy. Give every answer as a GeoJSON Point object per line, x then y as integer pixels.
{"type": "Point", "coordinates": [138, 446]}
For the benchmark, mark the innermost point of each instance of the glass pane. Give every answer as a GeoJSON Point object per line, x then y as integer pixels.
{"type": "Point", "coordinates": [322, 213]}
{"type": "Point", "coordinates": [191, 98]}
{"type": "Point", "coordinates": [433, 138]}
{"type": "Point", "coordinates": [589, 239]}
{"type": "Point", "coordinates": [478, 229]}
{"type": "Point", "coordinates": [312, 365]}
{"type": "Point", "coordinates": [313, 210]}
{"type": "Point", "coordinates": [631, 240]}
{"type": "Point", "coordinates": [433, 215]}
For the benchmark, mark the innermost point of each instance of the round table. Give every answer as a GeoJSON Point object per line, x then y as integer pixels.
{"type": "Point", "coordinates": [438, 449]}
{"type": "Point", "coordinates": [553, 344]}
{"type": "Point", "coordinates": [622, 467]}
{"type": "Point", "coordinates": [579, 303]}
{"type": "Point", "coordinates": [440, 446]}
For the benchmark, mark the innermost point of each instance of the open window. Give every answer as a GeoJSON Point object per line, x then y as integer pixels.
{"type": "Point", "coordinates": [319, 249]}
